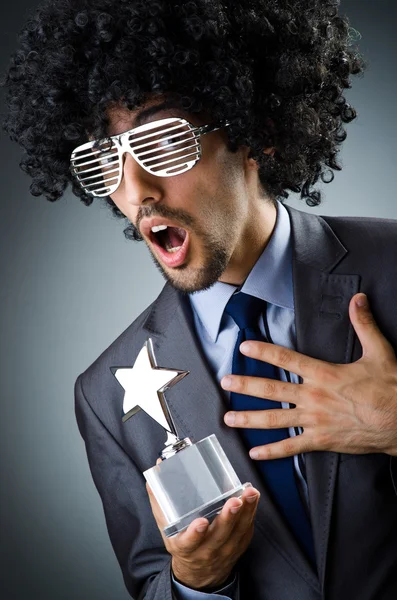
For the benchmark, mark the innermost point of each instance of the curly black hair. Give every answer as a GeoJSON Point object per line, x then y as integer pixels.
{"type": "Point", "coordinates": [276, 69]}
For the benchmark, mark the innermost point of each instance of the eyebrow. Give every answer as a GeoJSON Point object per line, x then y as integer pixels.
{"type": "Point", "coordinates": [146, 113]}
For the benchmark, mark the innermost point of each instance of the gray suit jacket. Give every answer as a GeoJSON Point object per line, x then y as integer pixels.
{"type": "Point", "coordinates": [353, 499]}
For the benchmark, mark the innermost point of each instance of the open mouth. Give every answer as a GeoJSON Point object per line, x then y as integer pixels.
{"type": "Point", "coordinates": [169, 238]}
{"type": "Point", "coordinates": [171, 244]}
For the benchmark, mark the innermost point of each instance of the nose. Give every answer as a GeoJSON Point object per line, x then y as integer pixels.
{"type": "Point", "coordinates": [137, 185]}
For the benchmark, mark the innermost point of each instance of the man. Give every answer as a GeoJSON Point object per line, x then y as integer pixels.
{"type": "Point", "coordinates": [215, 111]}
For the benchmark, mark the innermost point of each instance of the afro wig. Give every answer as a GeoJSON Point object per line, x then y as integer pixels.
{"type": "Point", "coordinates": [275, 69]}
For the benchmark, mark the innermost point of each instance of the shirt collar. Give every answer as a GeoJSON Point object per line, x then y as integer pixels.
{"type": "Point", "coordinates": [270, 279]}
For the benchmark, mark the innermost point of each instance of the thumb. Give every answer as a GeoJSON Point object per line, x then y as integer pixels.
{"type": "Point", "coordinates": [375, 345]}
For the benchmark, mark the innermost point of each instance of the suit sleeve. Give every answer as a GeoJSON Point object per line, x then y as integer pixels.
{"type": "Point", "coordinates": [228, 592]}
{"type": "Point", "coordinates": [136, 540]}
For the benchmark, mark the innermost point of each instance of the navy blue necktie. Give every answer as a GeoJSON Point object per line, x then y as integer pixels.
{"type": "Point", "coordinates": [279, 473]}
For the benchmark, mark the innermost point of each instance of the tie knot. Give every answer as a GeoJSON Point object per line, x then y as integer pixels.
{"type": "Point", "coordinates": [245, 310]}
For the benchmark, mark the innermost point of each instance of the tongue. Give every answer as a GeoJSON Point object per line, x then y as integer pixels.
{"type": "Point", "coordinates": [176, 236]}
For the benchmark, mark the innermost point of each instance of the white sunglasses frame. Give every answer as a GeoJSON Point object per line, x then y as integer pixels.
{"type": "Point", "coordinates": [122, 144]}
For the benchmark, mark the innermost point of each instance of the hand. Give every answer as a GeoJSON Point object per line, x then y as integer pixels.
{"type": "Point", "coordinates": [204, 555]}
{"type": "Point", "coordinates": [349, 408]}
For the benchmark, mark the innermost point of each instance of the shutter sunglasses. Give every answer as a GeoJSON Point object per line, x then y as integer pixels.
{"type": "Point", "coordinates": [165, 148]}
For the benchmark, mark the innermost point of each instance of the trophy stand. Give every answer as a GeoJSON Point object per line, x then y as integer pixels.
{"type": "Point", "coordinates": [193, 479]}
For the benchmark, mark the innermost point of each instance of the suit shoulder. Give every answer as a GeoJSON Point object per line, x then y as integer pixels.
{"type": "Point", "coordinates": [364, 226]}
{"type": "Point", "coordinates": [370, 234]}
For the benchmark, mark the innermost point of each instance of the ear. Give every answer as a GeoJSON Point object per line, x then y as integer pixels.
{"type": "Point", "coordinates": [251, 162]}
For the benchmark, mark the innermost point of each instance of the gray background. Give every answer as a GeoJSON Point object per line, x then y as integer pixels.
{"type": "Point", "coordinates": [71, 284]}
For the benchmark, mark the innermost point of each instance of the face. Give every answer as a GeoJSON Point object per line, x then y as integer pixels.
{"type": "Point", "coordinates": [193, 222]}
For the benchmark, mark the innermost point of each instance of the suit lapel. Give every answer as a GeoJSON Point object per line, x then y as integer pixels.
{"type": "Point", "coordinates": [198, 405]}
{"type": "Point", "coordinates": [323, 331]}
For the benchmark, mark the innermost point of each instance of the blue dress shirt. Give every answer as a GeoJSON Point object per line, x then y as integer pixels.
{"type": "Point", "coordinates": [271, 280]}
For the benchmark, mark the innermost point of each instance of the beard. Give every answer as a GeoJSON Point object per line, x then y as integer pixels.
{"type": "Point", "coordinates": [188, 280]}
{"type": "Point", "coordinates": [185, 278]}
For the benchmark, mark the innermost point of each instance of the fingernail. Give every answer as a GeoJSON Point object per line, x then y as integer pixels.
{"type": "Point", "coordinates": [235, 509]}
{"type": "Point", "coordinates": [254, 453]}
{"type": "Point", "coordinates": [202, 528]}
{"type": "Point", "coordinates": [361, 301]}
{"type": "Point", "coordinates": [245, 347]}
{"type": "Point", "coordinates": [251, 499]}
{"type": "Point", "coordinates": [226, 382]}
{"type": "Point", "coordinates": [230, 418]}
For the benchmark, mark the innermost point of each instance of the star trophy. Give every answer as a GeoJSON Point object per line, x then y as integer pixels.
{"type": "Point", "coordinates": [193, 479]}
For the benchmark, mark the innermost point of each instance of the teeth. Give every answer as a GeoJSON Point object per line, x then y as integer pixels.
{"type": "Point", "coordinates": [157, 228]}
{"type": "Point", "coordinates": [172, 250]}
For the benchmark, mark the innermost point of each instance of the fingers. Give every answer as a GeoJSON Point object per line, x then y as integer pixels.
{"type": "Point", "coordinates": [287, 447]}
{"type": "Point", "coordinates": [187, 540]}
{"type": "Point", "coordinates": [214, 535]}
{"type": "Point", "coordinates": [271, 389]}
{"type": "Point", "coordinates": [235, 512]}
{"type": "Point", "coordinates": [374, 344]}
{"type": "Point", "coordinates": [290, 360]}
{"type": "Point", "coordinates": [200, 530]}
{"type": "Point", "coordinates": [244, 525]}
{"type": "Point", "coordinates": [266, 419]}
{"type": "Point", "coordinates": [220, 530]}
{"type": "Point", "coordinates": [235, 524]}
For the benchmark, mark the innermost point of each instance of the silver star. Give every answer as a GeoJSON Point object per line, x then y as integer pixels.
{"type": "Point", "coordinates": [145, 384]}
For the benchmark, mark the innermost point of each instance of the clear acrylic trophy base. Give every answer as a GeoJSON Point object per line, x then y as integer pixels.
{"type": "Point", "coordinates": [195, 481]}
{"type": "Point", "coordinates": [208, 511]}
